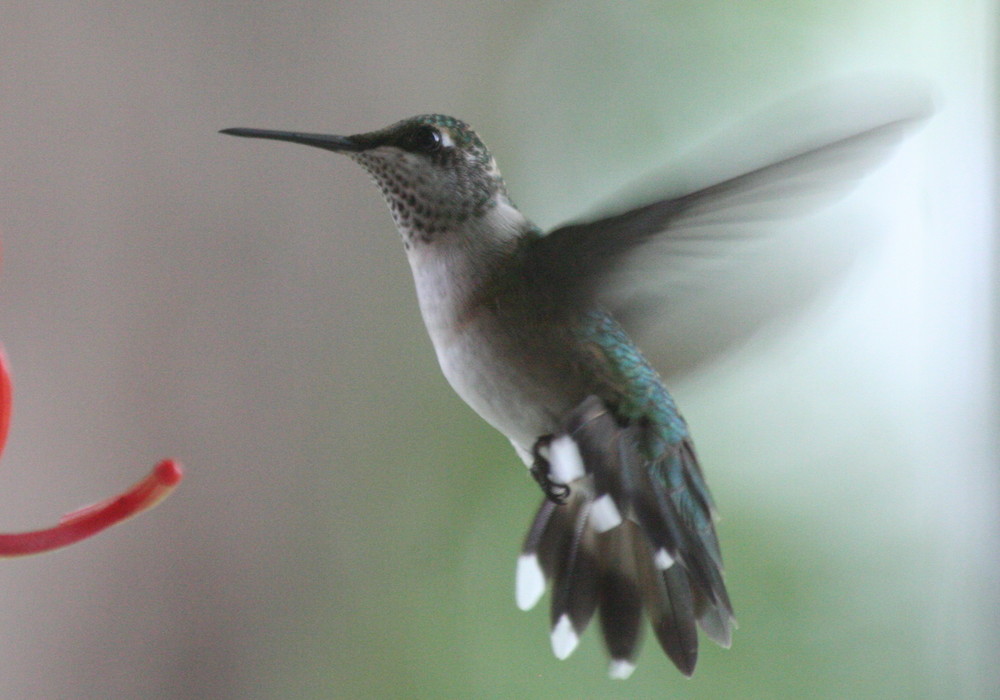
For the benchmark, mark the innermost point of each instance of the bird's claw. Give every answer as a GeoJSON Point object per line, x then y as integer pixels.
{"type": "Point", "coordinates": [540, 472]}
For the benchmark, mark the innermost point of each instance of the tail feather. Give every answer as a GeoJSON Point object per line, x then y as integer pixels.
{"type": "Point", "coordinates": [635, 534]}
{"type": "Point", "coordinates": [687, 524]}
{"type": "Point", "coordinates": [550, 535]}
{"type": "Point", "coordinates": [574, 582]}
{"type": "Point", "coordinates": [531, 573]}
{"type": "Point", "coordinates": [716, 622]}
{"type": "Point", "coordinates": [670, 606]}
{"type": "Point", "coordinates": [620, 599]}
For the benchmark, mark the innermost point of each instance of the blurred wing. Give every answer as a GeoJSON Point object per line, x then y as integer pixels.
{"type": "Point", "coordinates": [635, 262]}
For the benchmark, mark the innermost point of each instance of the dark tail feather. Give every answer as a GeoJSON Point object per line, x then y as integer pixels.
{"type": "Point", "coordinates": [536, 564]}
{"type": "Point", "coordinates": [633, 535]}
{"type": "Point", "coordinates": [716, 622]}
{"type": "Point", "coordinates": [670, 606]}
{"type": "Point", "coordinates": [574, 582]}
{"type": "Point", "coordinates": [620, 599]}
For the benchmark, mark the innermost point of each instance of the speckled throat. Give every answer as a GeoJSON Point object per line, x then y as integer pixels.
{"type": "Point", "coordinates": [430, 192]}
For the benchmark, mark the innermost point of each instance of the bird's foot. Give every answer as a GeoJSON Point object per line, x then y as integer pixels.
{"type": "Point", "coordinates": [540, 471]}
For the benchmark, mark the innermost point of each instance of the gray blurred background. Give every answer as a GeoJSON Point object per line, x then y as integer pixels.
{"type": "Point", "coordinates": [347, 527]}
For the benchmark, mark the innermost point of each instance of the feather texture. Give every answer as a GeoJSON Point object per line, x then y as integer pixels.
{"type": "Point", "coordinates": [574, 263]}
{"type": "Point", "coordinates": [619, 571]}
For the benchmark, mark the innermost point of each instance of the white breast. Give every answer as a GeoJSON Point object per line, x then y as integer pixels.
{"type": "Point", "coordinates": [445, 278]}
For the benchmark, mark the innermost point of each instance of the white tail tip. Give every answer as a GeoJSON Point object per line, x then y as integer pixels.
{"type": "Point", "coordinates": [620, 669]}
{"type": "Point", "coordinates": [529, 583]}
{"type": "Point", "coordinates": [662, 559]}
{"type": "Point", "coordinates": [564, 638]}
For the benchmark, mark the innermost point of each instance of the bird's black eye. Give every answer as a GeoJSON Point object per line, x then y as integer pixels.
{"type": "Point", "coordinates": [425, 139]}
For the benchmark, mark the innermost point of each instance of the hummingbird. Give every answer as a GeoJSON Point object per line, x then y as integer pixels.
{"type": "Point", "coordinates": [525, 328]}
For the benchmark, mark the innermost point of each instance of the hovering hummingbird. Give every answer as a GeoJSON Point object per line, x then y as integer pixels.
{"type": "Point", "coordinates": [525, 332]}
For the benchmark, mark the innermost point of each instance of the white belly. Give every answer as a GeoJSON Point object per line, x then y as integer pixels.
{"type": "Point", "coordinates": [506, 398]}
{"type": "Point", "coordinates": [487, 377]}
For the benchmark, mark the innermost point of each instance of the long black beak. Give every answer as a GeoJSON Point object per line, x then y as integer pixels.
{"type": "Point", "coordinates": [340, 144]}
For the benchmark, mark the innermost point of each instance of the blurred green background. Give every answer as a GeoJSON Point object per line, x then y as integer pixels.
{"type": "Point", "coordinates": [348, 528]}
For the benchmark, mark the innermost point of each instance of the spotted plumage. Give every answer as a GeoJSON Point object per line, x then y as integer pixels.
{"type": "Point", "coordinates": [464, 182]}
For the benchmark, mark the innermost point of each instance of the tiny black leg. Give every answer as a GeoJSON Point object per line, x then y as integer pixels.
{"type": "Point", "coordinates": [557, 493]}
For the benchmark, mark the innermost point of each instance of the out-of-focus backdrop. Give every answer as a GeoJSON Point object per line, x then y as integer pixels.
{"type": "Point", "coordinates": [348, 528]}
